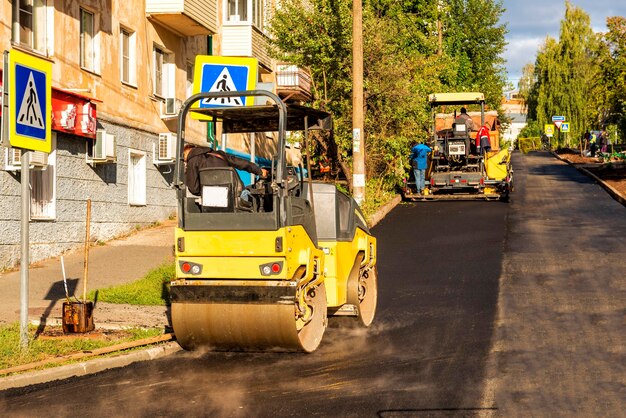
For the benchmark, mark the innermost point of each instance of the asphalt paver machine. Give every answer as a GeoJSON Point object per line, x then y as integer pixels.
{"type": "Point", "coordinates": [266, 273]}
{"type": "Point", "coordinates": [457, 168]}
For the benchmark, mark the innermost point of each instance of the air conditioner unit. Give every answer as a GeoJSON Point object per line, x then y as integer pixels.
{"type": "Point", "coordinates": [165, 150]}
{"type": "Point", "coordinates": [38, 159]}
{"type": "Point", "coordinates": [170, 107]}
{"type": "Point", "coordinates": [13, 159]}
{"type": "Point", "coordinates": [103, 149]}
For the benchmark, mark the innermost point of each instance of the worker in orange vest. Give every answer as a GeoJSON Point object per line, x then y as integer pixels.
{"type": "Point", "coordinates": [483, 140]}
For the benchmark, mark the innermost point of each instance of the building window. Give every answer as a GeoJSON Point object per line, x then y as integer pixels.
{"type": "Point", "coordinates": [136, 178]}
{"type": "Point", "coordinates": [34, 22]}
{"type": "Point", "coordinates": [127, 57]}
{"type": "Point", "coordinates": [237, 10]}
{"type": "Point", "coordinates": [158, 71]}
{"type": "Point", "coordinates": [189, 79]}
{"type": "Point", "coordinates": [43, 188]}
{"type": "Point", "coordinates": [257, 13]}
{"type": "Point", "coordinates": [88, 41]}
{"type": "Point", "coordinates": [163, 73]}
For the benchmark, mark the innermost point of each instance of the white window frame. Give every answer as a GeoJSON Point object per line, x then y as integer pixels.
{"type": "Point", "coordinates": [89, 55]}
{"type": "Point", "coordinates": [189, 81]}
{"type": "Point", "coordinates": [137, 168]}
{"type": "Point", "coordinates": [236, 11]}
{"type": "Point", "coordinates": [245, 11]}
{"type": "Point", "coordinates": [258, 13]}
{"type": "Point", "coordinates": [131, 57]}
{"type": "Point", "coordinates": [40, 37]}
{"type": "Point", "coordinates": [43, 193]}
{"type": "Point", "coordinates": [163, 70]}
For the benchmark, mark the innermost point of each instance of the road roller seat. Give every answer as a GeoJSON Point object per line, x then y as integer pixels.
{"type": "Point", "coordinates": [221, 189]}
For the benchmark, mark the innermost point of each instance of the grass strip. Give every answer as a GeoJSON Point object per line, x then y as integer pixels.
{"type": "Point", "coordinates": [153, 289]}
{"type": "Point", "coordinates": [91, 353]}
{"type": "Point", "coordinates": [40, 349]}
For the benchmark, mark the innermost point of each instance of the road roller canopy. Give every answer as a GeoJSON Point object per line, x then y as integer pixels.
{"type": "Point", "coordinates": [248, 119]}
{"type": "Point", "coordinates": [438, 99]}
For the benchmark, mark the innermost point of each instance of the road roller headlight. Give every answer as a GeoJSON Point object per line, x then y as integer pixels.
{"type": "Point", "coordinates": [271, 269]}
{"type": "Point", "coordinates": [190, 268]}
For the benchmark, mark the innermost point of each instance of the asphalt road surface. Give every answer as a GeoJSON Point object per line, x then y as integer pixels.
{"type": "Point", "coordinates": [485, 309]}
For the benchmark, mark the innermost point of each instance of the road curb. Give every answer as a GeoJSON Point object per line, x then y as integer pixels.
{"type": "Point", "coordinates": [610, 189]}
{"type": "Point", "coordinates": [87, 367]}
{"type": "Point", "coordinates": [384, 210]}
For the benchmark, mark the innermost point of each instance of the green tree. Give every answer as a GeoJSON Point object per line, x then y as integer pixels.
{"type": "Point", "coordinates": [401, 67]}
{"type": "Point", "coordinates": [318, 36]}
{"type": "Point", "coordinates": [526, 82]}
{"type": "Point", "coordinates": [541, 99]}
{"type": "Point", "coordinates": [474, 37]}
{"type": "Point", "coordinates": [579, 71]}
{"type": "Point", "coordinates": [613, 68]}
{"type": "Point", "coordinates": [565, 79]}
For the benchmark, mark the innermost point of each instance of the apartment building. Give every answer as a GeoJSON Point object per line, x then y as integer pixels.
{"type": "Point", "coordinates": [514, 108]}
{"type": "Point", "coordinates": [120, 70]}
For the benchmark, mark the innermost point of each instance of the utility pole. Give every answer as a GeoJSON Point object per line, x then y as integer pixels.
{"type": "Point", "coordinates": [358, 139]}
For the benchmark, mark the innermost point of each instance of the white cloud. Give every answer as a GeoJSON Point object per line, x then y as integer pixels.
{"type": "Point", "coordinates": [520, 52]}
{"type": "Point", "coordinates": [530, 21]}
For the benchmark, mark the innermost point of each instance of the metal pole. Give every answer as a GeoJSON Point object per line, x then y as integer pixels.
{"type": "Point", "coordinates": [252, 153]}
{"type": "Point", "coordinates": [358, 137]}
{"type": "Point", "coordinates": [25, 178]}
{"type": "Point", "coordinates": [86, 259]}
{"type": "Point", "coordinates": [308, 163]}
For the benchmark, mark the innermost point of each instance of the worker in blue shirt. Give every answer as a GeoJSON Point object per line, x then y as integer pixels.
{"type": "Point", "coordinates": [419, 163]}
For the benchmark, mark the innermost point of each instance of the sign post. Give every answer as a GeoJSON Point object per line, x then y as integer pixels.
{"type": "Point", "coordinates": [558, 120]}
{"type": "Point", "coordinates": [565, 129]}
{"type": "Point", "coordinates": [29, 119]}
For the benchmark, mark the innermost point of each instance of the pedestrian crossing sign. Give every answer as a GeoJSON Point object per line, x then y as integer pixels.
{"type": "Point", "coordinates": [221, 74]}
{"type": "Point", "coordinates": [30, 103]}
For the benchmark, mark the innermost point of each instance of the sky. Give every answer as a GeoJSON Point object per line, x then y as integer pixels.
{"type": "Point", "coordinates": [530, 21]}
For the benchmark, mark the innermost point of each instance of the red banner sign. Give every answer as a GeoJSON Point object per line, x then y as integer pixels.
{"type": "Point", "coordinates": [73, 113]}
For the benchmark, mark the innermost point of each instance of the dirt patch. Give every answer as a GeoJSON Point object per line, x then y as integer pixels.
{"type": "Point", "coordinates": [612, 172]}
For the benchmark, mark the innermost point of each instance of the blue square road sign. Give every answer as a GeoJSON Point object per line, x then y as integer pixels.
{"type": "Point", "coordinates": [30, 102]}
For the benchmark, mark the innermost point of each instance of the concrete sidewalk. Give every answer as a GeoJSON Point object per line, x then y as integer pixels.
{"type": "Point", "coordinates": [119, 261]}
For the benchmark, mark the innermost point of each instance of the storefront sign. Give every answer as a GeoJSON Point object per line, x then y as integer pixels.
{"type": "Point", "coordinates": [73, 113]}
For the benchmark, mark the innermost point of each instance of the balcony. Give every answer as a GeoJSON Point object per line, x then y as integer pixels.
{"type": "Point", "coordinates": [243, 39]}
{"type": "Point", "coordinates": [185, 17]}
{"type": "Point", "coordinates": [293, 83]}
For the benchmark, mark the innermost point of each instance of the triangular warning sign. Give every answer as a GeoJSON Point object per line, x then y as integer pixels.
{"type": "Point", "coordinates": [30, 110]}
{"type": "Point", "coordinates": [224, 82]}
{"type": "Point", "coordinates": [558, 123]}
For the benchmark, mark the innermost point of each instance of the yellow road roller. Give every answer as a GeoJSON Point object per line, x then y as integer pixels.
{"type": "Point", "coordinates": [262, 267]}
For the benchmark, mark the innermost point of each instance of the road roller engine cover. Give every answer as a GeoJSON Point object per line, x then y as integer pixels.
{"type": "Point", "coordinates": [262, 267]}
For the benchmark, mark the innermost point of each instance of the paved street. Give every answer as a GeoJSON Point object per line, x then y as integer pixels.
{"type": "Point", "coordinates": [561, 347]}
{"type": "Point", "coordinates": [486, 309]}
